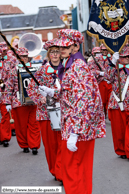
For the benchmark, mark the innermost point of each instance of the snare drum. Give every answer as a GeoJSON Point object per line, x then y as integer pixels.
{"type": "Point", "coordinates": [54, 114]}
{"type": "Point", "coordinates": [24, 79]}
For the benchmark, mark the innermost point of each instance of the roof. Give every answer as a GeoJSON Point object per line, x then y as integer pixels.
{"type": "Point", "coordinates": [47, 17]}
{"type": "Point", "coordinates": [9, 9]}
{"type": "Point", "coordinates": [17, 21]}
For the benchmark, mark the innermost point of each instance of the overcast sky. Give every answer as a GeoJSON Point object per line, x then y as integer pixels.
{"type": "Point", "coordinates": [31, 6]}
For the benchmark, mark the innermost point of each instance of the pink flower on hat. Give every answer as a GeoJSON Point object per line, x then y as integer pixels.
{"type": "Point", "coordinates": [22, 51]}
{"type": "Point", "coordinates": [125, 51]}
{"type": "Point", "coordinates": [50, 43]}
{"type": "Point", "coordinates": [64, 41]}
{"type": "Point", "coordinates": [68, 37]}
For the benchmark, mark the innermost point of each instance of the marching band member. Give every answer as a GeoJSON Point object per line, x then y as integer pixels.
{"type": "Point", "coordinates": [5, 131]}
{"type": "Point", "coordinates": [26, 126]}
{"type": "Point", "coordinates": [47, 75]}
{"type": "Point", "coordinates": [119, 117]}
{"type": "Point", "coordinates": [98, 68]}
{"type": "Point", "coordinates": [95, 52]}
{"type": "Point", "coordinates": [13, 62]}
{"type": "Point", "coordinates": [82, 117]}
{"type": "Point", "coordinates": [105, 54]}
{"type": "Point", "coordinates": [14, 42]}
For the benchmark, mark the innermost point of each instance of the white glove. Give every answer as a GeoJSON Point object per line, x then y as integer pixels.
{"type": "Point", "coordinates": [42, 92]}
{"type": "Point", "coordinates": [115, 57]}
{"type": "Point", "coordinates": [101, 73]}
{"type": "Point", "coordinates": [47, 90]}
{"type": "Point", "coordinates": [108, 82]}
{"type": "Point", "coordinates": [8, 107]}
{"type": "Point", "coordinates": [71, 143]}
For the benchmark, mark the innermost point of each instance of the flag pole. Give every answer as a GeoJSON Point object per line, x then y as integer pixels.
{"type": "Point", "coordinates": [117, 64]}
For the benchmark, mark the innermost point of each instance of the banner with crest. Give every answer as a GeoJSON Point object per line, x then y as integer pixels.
{"type": "Point", "coordinates": [109, 23]}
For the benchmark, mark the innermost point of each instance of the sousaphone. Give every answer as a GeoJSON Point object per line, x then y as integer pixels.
{"type": "Point", "coordinates": [32, 42]}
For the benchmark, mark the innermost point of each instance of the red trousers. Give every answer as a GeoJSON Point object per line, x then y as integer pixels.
{"type": "Point", "coordinates": [12, 125]}
{"type": "Point", "coordinates": [120, 131]}
{"type": "Point", "coordinates": [26, 126]}
{"type": "Point", "coordinates": [77, 167]}
{"type": "Point", "coordinates": [105, 91]}
{"type": "Point", "coordinates": [5, 132]}
{"type": "Point", "coordinates": [52, 145]}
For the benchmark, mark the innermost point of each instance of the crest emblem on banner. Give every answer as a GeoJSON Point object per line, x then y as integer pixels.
{"type": "Point", "coordinates": [109, 23]}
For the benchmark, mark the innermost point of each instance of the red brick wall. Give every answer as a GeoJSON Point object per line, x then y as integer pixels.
{"type": "Point", "coordinates": [14, 33]}
{"type": "Point", "coordinates": [45, 32]}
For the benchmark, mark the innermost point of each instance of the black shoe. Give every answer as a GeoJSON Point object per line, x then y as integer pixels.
{"type": "Point", "coordinates": [25, 150]}
{"type": "Point", "coordinates": [13, 132]}
{"type": "Point", "coordinates": [5, 143]}
{"type": "Point", "coordinates": [34, 151]}
{"type": "Point", "coordinates": [1, 142]}
{"type": "Point", "coordinates": [55, 179]}
{"type": "Point", "coordinates": [123, 156]}
{"type": "Point", "coordinates": [61, 183]}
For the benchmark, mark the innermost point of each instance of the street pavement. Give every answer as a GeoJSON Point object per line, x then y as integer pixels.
{"type": "Point", "coordinates": [110, 173]}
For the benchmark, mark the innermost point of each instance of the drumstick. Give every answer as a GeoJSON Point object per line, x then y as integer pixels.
{"type": "Point", "coordinates": [11, 120]}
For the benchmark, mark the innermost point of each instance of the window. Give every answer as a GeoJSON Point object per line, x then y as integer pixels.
{"type": "Point", "coordinates": [19, 35]}
{"type": "Point", "coordinates": [39, 35]}
{"type": "Point", "coordinates": [9, 37]}
{"type": "Point", "coordinates": [49, 35]}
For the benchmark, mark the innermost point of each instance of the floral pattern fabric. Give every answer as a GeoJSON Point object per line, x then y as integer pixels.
{"type": "Point", "coordinates": [43, 79]}
{"type": "Point", "coordinates": [12, 88]}
{"type": "Point", "coordinates": [125, 50]}
{"type": "Point", "coordinates": [81, 104]}
{"type": "Point", "coordinates": [73, 35]}
{"type": "Point", "coordinates": [95, 69]}
{"type": "Point", "coordinates": [50, 43]}
{"type": "Point", "coordinates": [67, 37]}
{"type": "Point", "coordinates": [5, 69]}
{"type": "Point", "coordinates": [112, 73]}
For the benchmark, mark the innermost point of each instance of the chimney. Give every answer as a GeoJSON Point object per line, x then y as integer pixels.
{"type": "Point", "coordinates": [70, 8]}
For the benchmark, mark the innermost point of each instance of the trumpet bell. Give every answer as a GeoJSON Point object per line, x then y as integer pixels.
{"type": "Point", "coordinates": [32, 42]}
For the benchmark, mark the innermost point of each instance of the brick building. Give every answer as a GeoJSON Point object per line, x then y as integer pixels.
{"type": "Point", "coordinates": [45, 23]}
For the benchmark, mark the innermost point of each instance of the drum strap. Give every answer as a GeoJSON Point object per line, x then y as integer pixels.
{"type": "Point", "coordinates": [124, 91]}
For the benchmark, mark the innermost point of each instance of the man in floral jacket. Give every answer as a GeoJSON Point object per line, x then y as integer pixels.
{"type": "Point", "coordinates": [98, 68]}
{"type": "Point", "coordinates": [119, 111]}
{"type": "Point", "coordinates": [27, 130]}
{"type": "Point", "coordinates": [82, 117]}
{"type": "Point", "coordinates": [5, 131]}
